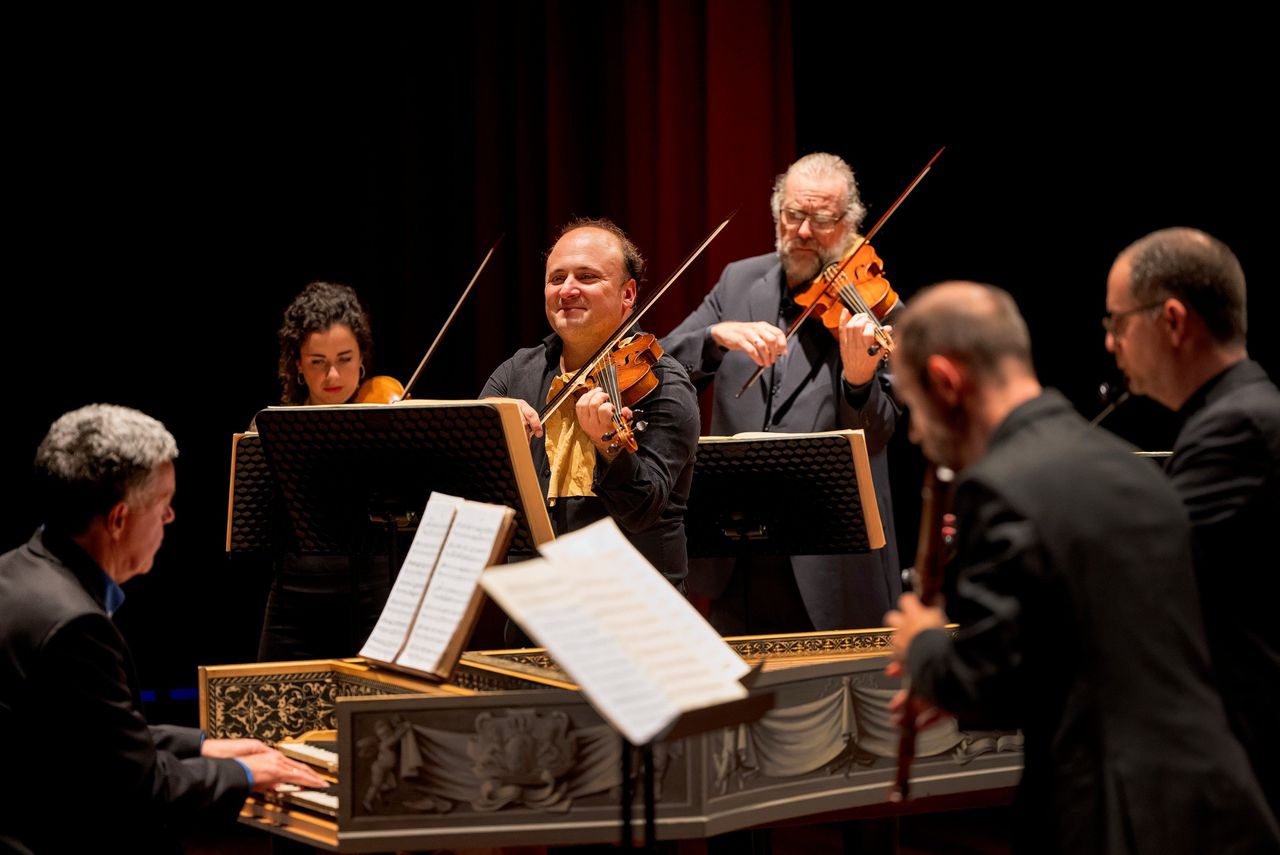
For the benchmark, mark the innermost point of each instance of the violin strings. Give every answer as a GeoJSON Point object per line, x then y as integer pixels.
{"type": "Point", "coordinates": [609, 381]}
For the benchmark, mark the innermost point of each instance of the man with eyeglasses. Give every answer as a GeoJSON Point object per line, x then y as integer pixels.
{"type": "Point", "coordinates": [815, 382]}
{"type": "Point", "coordinates": [1176, 323]}
{"type": "Point", "coordinates": [1075, 598]}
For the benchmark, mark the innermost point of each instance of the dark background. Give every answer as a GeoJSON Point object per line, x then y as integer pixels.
{"type": "Point", "coordinates": [168, 196]}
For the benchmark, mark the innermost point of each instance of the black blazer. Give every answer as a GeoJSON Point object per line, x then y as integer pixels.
{"type": "Point", "coordinates": [806, 394]}
{"type": "Point", "coordinates": [1226, 468]}
{"type": "Point", "coordinates": [81, 768]}
{"type": "Point", "coordinates": [1080, 623]}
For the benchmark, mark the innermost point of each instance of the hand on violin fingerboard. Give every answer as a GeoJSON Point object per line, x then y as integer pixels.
{"type": "Point", "coordinates": [761, 341]}
{"type": "Point", "coordinates": [857, 336]}
{"type": "Point", "coordinates": [595, 415]}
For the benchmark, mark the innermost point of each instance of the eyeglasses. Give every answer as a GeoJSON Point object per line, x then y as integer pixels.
{"type": "Point", "coordinates": [1111, 320]}
{"type": "Point", "coordinates": [821, 223]}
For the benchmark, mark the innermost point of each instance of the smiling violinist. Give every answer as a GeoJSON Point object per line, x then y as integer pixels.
{"type": "Point", "coordinates": [592, 275]}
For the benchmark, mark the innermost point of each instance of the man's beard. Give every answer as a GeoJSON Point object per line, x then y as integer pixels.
{"type": "Point", "coordinates": [806, 266]}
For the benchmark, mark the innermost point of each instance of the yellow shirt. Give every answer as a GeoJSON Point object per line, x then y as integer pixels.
{"type": "Point", "coordinates": [569, 450]}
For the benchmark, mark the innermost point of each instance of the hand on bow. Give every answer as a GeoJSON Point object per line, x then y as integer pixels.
{"type": "Point", "coordinates": [761, 341]}
{"type": "Point", "coordinates": [532, 424]}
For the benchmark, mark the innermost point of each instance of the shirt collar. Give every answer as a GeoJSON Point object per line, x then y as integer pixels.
{"type": "Point", "coordinates": [93, 578]}
{"type": "Point", "coordinates": [112, 595]}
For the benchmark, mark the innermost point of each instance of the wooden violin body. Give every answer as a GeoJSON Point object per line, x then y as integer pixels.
{"type": "Point", "coordinates": [626, 374]}
{"type": "Point", "coordinates": [379, 389]}
{"type": "Point", "coordinates": [857, 283]}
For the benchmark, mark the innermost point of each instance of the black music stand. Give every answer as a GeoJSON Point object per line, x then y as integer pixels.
{"type": "Point", "coordinates": [254, 512]}
{"type": "Point", "coordinates": [340, 469]}
{"type": "Point", "coordinates": [783, 494]}
{"type": "Point", "coordinates": [741, 711]}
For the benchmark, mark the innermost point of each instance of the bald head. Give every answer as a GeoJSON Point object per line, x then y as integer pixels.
{"type": "Point", "coordinates": [1195, 268]}
{"type": "Point", "coordinates": [978, 325]}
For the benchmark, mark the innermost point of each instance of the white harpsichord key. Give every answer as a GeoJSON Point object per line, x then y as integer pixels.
{"type": "Point", "coordinates": [322, 757]}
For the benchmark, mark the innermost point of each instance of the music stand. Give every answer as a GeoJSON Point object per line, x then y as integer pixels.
{"type": "Point", "coordinates": [253, 503]}
{"type": "Point", "coordinates": [340, 467]}
{"type": "Point", "coordinates": [783, 494]}
{"type": "Point", "coordinates": [730, 714]}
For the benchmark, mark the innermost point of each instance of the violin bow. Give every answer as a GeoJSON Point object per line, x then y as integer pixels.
{"type": "Point", "coordinates": [449, 320]}
{"type": "Point", "coordinates": [627, 323]}
{"type": "Point", "coordinates": [795, 325]}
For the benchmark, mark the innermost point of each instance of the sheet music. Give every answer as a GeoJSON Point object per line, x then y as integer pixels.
{"type": "Point", "coordinates": [549, 608]}
{"type": "Point", "coordinates": [604, 559]}
{"type": "Point", "coordinates": [639, 651]}
{"type": "Point", "coordinates": [388, 636]}
{"type": "Point", "coordinates": [467, 551]}
{"type": "Point", "coordinates": [748, 435]}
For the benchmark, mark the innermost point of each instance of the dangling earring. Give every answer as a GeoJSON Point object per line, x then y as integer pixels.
{"type": "Point", "coordinates": [302, 381]}
{"type": "Point", "coordinates": [361, 370]}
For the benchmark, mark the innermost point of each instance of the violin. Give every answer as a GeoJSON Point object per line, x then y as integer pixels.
{"type": "Point", "coordinates": [848, 286]}
{"type": "Point", "coordinates": [856, 283]}
{"type": "Point", "coordinates": [384, 389]}
{"type": "Point", "coordinates": [627, 377]}
{"type": "Point", "coordinates": [623, 365]}
{"type": "Point", "coordinates": [379, 389]}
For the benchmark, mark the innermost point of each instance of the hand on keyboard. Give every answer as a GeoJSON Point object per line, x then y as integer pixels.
{"type": "Point", "coordinates": [232, 747]}
{"type": "Point", "coordinates": [270, 767]}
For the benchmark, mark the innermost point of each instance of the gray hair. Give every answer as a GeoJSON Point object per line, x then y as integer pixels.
{"type": "Point", "coordinates": [820, 165]}
{"type": "Point", "coordinates": [94, 457]}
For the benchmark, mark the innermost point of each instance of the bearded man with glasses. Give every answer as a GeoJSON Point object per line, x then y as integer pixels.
{"type": "Point", "coordinates": [814, 382]}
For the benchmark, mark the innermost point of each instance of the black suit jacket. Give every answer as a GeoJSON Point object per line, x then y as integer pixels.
{"type": "Point", "coordinates": [806, 393]}
{"type": "Point", "coordinates": [1080, 623]}
{"type": "Point", "coordinates": [1226, 467]}
{"type": "Point", "coordinates": [80, 765]}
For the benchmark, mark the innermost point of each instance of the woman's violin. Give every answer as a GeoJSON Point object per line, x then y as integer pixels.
{"type": "Point", "coordinates": [379, 389]}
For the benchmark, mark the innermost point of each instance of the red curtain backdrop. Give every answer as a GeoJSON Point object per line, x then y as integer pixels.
{"type": "Point", "coordinates": [665, 117]}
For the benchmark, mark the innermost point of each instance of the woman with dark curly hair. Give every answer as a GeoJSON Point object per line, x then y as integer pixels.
{"type": "Point", "coordinates": [324, 344]}
{"type": "Point", "coordinates": [324, 606]}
